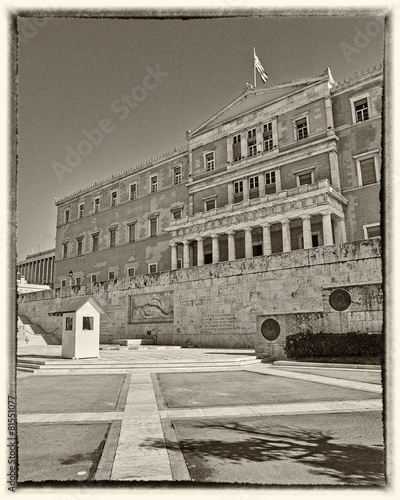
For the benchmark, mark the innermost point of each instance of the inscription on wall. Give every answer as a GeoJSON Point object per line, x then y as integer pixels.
{"type": "Point", "coordinates": [223, 323]}
{"type": "Point", "coordinates": [151, 308]}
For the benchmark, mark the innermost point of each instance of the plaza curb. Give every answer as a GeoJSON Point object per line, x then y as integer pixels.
{"type": "Point", "coordinates": [327, 365]}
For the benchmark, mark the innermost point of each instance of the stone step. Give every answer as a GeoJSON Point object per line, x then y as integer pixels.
{"type": "Point", "coordinates": [116, 347]}
{"type": "Point", "coordinates": [326, 365]}
{"type": "Point", "coordinates": [134, 342]}
{"type": "Point", "coordinates": [54, 366]}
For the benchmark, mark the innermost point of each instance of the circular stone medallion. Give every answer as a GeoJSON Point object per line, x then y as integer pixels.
{"type": "Point", "coordinates": [340, 300]}
{"type": "Point", "coordinates": [270, 329]}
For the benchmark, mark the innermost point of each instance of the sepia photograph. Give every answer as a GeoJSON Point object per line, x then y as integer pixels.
{"type": "Point", "coordinates": [198, 255]}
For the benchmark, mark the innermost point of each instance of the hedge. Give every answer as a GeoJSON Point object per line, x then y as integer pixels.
{"type": "Point", "coordinates": [308, 345]}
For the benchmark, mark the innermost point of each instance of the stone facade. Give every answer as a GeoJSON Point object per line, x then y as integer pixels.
{"type": "Point", "coordinates": [285, 167]}
{"type": "Point", "coordinates": [221, 305]}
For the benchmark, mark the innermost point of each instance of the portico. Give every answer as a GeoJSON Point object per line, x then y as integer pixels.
{"type": "Point", "coordinates": [293, 217]}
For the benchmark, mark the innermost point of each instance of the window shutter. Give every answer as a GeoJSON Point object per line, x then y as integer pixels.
{"type": "Point", "coordinates": [368, 175]}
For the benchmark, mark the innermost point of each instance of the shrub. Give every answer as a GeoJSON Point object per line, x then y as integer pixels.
{"type": "Point", "coordinates": [308, 345]}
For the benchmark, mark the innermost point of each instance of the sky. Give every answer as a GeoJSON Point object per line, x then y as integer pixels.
{"type": "Point", "coordinates": [74, 73]}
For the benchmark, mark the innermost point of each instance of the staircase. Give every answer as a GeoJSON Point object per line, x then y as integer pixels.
{"type": "Point", "coordinates": [31, 334]}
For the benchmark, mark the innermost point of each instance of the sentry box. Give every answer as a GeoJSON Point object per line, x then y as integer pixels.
{"type": "Point", "coordinates": [80, 328]}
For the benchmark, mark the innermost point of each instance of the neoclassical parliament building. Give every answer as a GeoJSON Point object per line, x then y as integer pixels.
{"type": "Point", "coordinates": [284, 167]}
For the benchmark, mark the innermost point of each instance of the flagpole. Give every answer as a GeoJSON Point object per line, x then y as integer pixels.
{"type": "Point", "coordinates": [254, 66]}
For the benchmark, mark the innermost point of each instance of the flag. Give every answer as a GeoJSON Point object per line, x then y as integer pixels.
{"type": "Point", "coordinates": [259, 68]}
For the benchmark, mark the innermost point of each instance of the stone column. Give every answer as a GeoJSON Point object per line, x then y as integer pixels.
{"type": "Point", "coordinates": [51, 269]}
{"type": "Point", "coordinates": [307, 236]}
{"type": "Point", "coordinates": [186, 262]}
{"type": "Point", "coordinates": [287, 246]}
{"type": "Point", "coordinates": [230, 193]}
{"type": "Point", "coordinates": [248, 243]}
{"type": "Point", "coordinates": [245, 189]}
{"type": "Point", "coordinates": [200, 251]}
{"type": "Point", "coordinates": [231, 245]}
{"type": "Point", "coordinates": [267, 250]}
{"type": "Point", "coordinates": [339, 226]}
{"type": "Point", "coordinates": [40, 267]}
{"type": "Point", "coordinates": [327, 228]}
{"type": "Point", "coordinates": [215, 248]}
{"type": "Point", "coordinates": [261, 185]}
{"type": "Point", "coordinates": [174, 256]}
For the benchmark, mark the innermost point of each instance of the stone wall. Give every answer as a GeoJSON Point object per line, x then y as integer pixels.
{"type": "Point", "coordinates": [220, 305]}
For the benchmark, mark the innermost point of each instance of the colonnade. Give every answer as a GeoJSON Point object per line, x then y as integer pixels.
{"type": "Point", "coordinates": [340, 237]}
{"type": "Point", "coordinates": [39, 271]}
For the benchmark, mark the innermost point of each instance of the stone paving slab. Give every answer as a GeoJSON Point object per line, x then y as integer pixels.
{"type": "Point", "coordinates": [349, 384]}
{"type": "Point", "coordinates": [69, 417]}
{"type": "Point", "coordinates": [282, 409]}
{"type": "Point", "coordinates": [140, 422]}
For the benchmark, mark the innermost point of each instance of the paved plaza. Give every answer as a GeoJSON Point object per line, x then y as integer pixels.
{"type": "Point", "coordinates": [197, 415]}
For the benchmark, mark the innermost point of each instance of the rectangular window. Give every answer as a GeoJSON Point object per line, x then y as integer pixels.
{"type": "Point", "coordinates": [114, 196]}
{"type": "Point", "coordinates": [152, 268]}
{"type": "Point", "coordinates": [270, 183]}
{"type": "Point", "coordinates": [66, 216]}
{"type": "Point", "coordinates": [93, 278]}
{"type": "Point", "coordinates": [177, 214]}
{"type": "Point", "coordinates": [87, 323]}
{"type": "Point", "coordinates": [268, 139]}
{"type": "Point", "coordinates": [305, 178]}
{"type": "Point", "coordinates": [238, 187]}
{"type": "Point", "coordinates": [96, 205]}
{"type": "Point", "coordinates": [301, 128]}
{"type": "Point", "coordinates": [252, 147]}
{"type": "Point", "coordinates": [154, 184]}
{"type": "Point", "coordinates": [270, 177]}
{"type": "Point", "coordinates": [361, 110]}
{"type": "Point", "coordinates": [153, 227]}
{"type": "Point", "coordinates": [65, 251]}
{"type": "Point", "coordinates": [367, 170]}
{"type": "Point", "coordinates": [79, 246]}
{"type": "Point", "coordinates": [372, 231]}
{"type": "Point", "coordinates": [132, 232]}
{"type": "Point", "coordinates": [179, 263]}
{"type": "Point", "coordinates": [253, 182]}
{"type": "Point", "coordinates": [69, 323]}
{"type": "Point", "coordinates": [133, 192]}
{"type": "Point", "coordinates": [113, 235]}
{"type": "Point", "coordinates": [131, 272]}
{"type": "Point", "coordinates": [251, 133]}
{"type": "Point", "coordinates": [210, 161]}
{"type": "Point", "coordinates": [111, 275]}
{"type": "Point", "coordinates": [236, 148]}
{"type": "Point", "coordinates": [210, 205]}
{"type": "Point", "coordinates": [95, 242]}
{"type": "Point", "coordinates": [63, 283]}
{"type": "Point", "coordinates": [236, 139]}
{"type": "Point", "coordinates": [177, 175]}
{"type": "Point", "coordinates": [77, 281]}
{"type": "Point", "coordinates": [208, 258]}
{"type": "Point", "coordinates": [81, 210]}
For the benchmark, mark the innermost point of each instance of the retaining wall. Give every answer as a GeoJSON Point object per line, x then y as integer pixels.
{"type": "Point", "coordinates": [220, 305]}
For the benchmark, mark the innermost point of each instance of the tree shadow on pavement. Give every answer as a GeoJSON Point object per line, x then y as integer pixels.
{"type": "Point", "coordinates": [350, 464]}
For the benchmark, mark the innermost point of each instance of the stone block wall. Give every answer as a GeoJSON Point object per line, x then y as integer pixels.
{"type": "Point", "coordinates": [217, 305]}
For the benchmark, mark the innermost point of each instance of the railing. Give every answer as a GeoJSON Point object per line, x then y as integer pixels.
{"type": "Point", "coordinates": [323, 185]}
